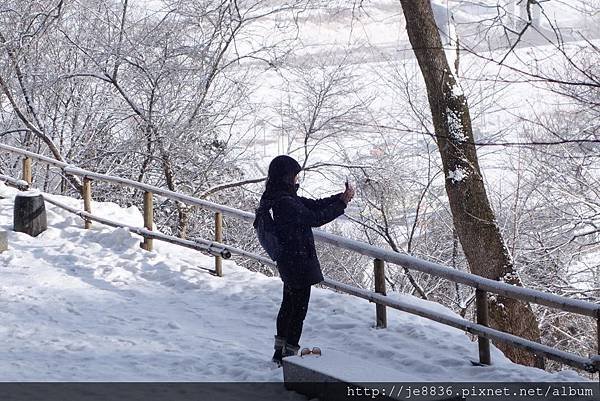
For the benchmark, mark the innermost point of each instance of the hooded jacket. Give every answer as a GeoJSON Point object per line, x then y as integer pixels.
{"type": "Point", "coordinates": [294, 218]}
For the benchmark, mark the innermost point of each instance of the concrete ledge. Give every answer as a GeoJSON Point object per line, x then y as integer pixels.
{"type": "Point", "coordinates": [336, 376]}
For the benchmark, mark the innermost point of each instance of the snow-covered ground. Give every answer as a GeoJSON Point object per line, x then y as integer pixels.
{"type": "Point", "coordinates": [81, 305]}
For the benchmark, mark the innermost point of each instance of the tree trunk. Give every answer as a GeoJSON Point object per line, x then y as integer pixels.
{"type": "Point", "coordinates": [473, 217]}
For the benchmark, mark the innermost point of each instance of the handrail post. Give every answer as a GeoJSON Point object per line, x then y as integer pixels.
{"type": "Point", "coordinates": [379, 275]}
{"type": "Point", "coordinates": [219, 239]}
{"type": "Point", "coordinates": [481, 302]}
{"type": "Point", "coordinates": [148, 219]}
{"type": "Point", "coordinates": [27, 174]}
{"type": "Point", "coordinates": [87, 200]}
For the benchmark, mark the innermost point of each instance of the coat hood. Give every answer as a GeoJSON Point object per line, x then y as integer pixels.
{"type": "Point", "coordinates": [282, 171]}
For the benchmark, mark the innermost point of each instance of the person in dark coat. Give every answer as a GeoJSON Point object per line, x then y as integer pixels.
{"type": "Point", "coordinates": [298, 265]}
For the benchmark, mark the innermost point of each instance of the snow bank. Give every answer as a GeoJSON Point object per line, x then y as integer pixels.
{"type": "Point", "coordinates": [91, 305]}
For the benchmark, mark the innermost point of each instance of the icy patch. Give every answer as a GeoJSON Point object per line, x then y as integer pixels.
{"type": "Point", "coordinates": [456, 89]}
{"type": "Point", "coordinates": [510, 278]}
{"type": "Point", "coordinates": [493, 298]}
{"type": "Point", "coordinates": [455, 126]}
{"type": "Point", "coordinates": [457, 175]}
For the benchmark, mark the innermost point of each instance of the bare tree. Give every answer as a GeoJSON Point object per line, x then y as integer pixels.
{"type": "Point", "coordinates": [473, 217]}
{"type": "Point", "coordinates": [18, 80]}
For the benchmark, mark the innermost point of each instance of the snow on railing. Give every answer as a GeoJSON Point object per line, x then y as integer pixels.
{"type": "Point", "coordinates": [213, 248]}
{"type": "Point", "coordinates": [481, 284]}
{"type": "Point", "coordinates": [20, 184]}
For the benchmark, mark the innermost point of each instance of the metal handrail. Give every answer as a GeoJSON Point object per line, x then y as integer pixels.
{"type": "Point", "coordinates": [410, 262]}
{"type": "Point", "coordinates": [213, 248]}
{"type": "Point", "coordinates": [591, 364]}
{"type": "Point", "coordinates": [587, 364]}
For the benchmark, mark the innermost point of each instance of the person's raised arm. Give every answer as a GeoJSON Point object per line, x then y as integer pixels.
{"type": "Point", "coordinates": [315, 204]}
{"type": "Point", "coordinates": [297, 212]}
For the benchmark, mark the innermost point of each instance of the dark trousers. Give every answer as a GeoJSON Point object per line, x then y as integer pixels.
{"type": "Point", "coordinates": [292, 312]}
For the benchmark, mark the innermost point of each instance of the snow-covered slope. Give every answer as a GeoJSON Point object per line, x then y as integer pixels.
{"type": "Point", "coordinates": [91, 305]}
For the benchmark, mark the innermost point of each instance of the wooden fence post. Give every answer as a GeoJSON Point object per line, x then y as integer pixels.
{"type": "Point", "coordinates": [27, 174]}
{"type": "Point", "coordinates": [481, 302]}
{"type": "Point", "coordinates": [598, 349]}
{"type": "Point", "coordinates": [218, 238]}
{"type": "Point", "coordinates": [87, 200]}
{"type": "Point", "coordinates": [148, 219]}
{"type": "Point", "coordinates": [3, 241]}
{"type": "Point", "coordinates": [379, 274]}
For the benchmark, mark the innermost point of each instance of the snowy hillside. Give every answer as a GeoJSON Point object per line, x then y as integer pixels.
{"type": "Point", "coordinates": [91, 305]}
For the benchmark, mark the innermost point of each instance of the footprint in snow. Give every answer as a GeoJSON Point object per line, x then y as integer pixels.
{"type": "Point", "coordinates": [173, 325]}
{"type": "Point", "coordinates": [73, 311]}
{"type": "Point", "coordinates": [342, 326]}
{"type": "Point", "coordinates": [75, 347]}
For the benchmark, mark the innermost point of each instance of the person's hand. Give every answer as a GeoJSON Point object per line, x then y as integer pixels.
{"type": "Point", "coordinates": [348, 193]}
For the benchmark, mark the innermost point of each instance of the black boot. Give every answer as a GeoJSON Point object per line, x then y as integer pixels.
{"type": "Point", "coordinates": [290, 350]}
{"type": "Point", "coordinates": [278, 355]}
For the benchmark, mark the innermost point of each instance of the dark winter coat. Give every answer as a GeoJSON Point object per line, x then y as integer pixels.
{"type": "Point", "coordinates": [294, 218]}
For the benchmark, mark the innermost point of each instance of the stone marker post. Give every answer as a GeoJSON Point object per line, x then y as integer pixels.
{"type": "Point", "coordinates": [30, 213]}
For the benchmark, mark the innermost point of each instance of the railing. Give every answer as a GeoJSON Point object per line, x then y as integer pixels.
{"type": "Point", "coordinates": [212, 248]}
{"type": "Point", "coordinates": [481, 285]}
